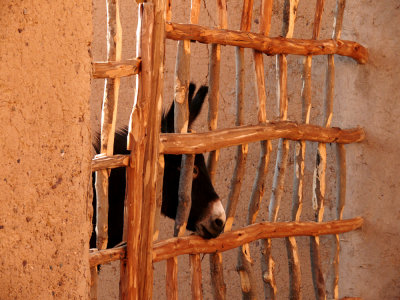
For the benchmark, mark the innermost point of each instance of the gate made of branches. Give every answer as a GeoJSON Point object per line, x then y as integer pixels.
{"type": "Point", "coordinates": [147, 144]}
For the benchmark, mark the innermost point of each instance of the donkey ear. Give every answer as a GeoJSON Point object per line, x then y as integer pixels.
{"type": "Point", "coordinates": [192, 88]}
{"type": "Point", "coordinates": [167, 123]}
{"type": "Point", "coordinates": [196, 104]}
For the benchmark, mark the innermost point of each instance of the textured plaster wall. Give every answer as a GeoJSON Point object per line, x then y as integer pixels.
{"type": "Point", "coordinates": [370, 258]}
{"type": "Point", "coordinates": [365, 95]}
{"type": "Point", "coordinates": [45, 149]}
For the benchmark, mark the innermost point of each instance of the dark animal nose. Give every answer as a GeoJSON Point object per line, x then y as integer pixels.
{"type": "Point", "coordinates": [218, 224]}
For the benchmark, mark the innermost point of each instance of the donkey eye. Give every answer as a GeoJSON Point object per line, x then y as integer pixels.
{"type": "Point", "coordinates": [195, 171]}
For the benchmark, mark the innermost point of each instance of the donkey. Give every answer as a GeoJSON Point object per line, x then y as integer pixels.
{"type": "Point", "coordinates": [207, 215]}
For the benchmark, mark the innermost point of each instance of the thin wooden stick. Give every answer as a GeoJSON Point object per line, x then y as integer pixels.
{"type": "Point", "coordinates": [168, 12]}
{"type": "Point", "coordinates": [195, 11]}
{"type": "Point", "coordinates": [108, 120]}
{"type": "Point", "coordinates": [341, 166]}
{"type": "Point", "coordinates": [299, 157]}
{"type": "Point", "coordinates": [216, 269]}
{"type": "Point", "coordinates": [267, 264]}
{"type": "Point", "coordinates": [213, 83]}
{"type": "Point", "coordinates": [93, 283]}
{"type": "Point", "coordinates": [184, 194]}
{"type": "Point", "coordinates": [244, 264]}
{"type": "Point", "coordinates": [172, 278]}
{"type": "Point", "coordinates": [244, 259]}
{"type": "Point", "coordinates": [195, 267]}
{"type": "Point", "coordinates": [320, 171]}
{"type": "Point", "coordinates": [116, 69]}
{"type": "Point", "coordinates": [181, 123]}
{"type": "Point", "coordinates": [289, 17]}
{"type": "Point", "coordinates": [173, 143]}
{"type": "Point", "coordinates": [101, 162]}
{"type": "Point", "coordinates": [341, 199]}
{"type": "Point", "coordinates": [267, 45]}
{"type": "Point", "coordinates": [161, 166]}
{"type": "Point", "coordinates": [241, 154]}
{"type": "Point", "coordinates": [194, 244]}
{"type": "Point", "coordinates": [213, 100]}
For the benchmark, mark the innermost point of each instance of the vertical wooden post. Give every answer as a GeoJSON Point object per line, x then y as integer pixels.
{"type": "Point", "coordinates": [143, 141]}
{"type": "Point", "coordinates": [299, 156]}
{"type": "Point", "coordinates": [289, 17]}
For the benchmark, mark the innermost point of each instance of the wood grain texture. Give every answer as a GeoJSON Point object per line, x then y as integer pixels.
{"type": "Point", "coordinates": [267, 45]}
{"type": "Point", "coordinates": [203, 142]}
{"type": "Point", "coordinates": [195, 272]}
{"type": "Point", "coordinates": [144, 130]}
{"type": "Point", "coordinates": [116, 69]}
{"type": "Point", "coordinates": [101, 162]}
{"type": "Point", "coordinates": [195, 244]}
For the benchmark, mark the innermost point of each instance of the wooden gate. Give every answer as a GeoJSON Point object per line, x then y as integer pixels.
{"type": "Point", "coordinates": [145, 164]}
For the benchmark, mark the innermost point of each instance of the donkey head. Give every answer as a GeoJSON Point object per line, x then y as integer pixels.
{"type": "Point", "coordinates": [207, 215]}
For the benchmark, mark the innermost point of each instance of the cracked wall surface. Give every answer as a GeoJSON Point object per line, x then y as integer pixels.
{"type": "Point", "coordinates": [45, 149]}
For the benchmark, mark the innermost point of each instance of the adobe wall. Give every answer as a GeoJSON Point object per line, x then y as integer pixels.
{"type": "Point", "coordinates": [44, 149]}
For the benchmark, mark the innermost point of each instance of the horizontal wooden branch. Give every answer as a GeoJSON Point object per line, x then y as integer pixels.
{"type": "Point", "coordinates": [183, 143]}
{"type": "Point", "coordinates": [109, 162]}
{"type": "Point", "coordinates": [114, 69]}
{"type": "Point", "coordinates": [195, 244]}
{"type": "Point", "coordinates": [173, 143]}
{"type": "Point", "coordinates": [102, 257]}
{"type": "Point", "coordinates": [267, 45]}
